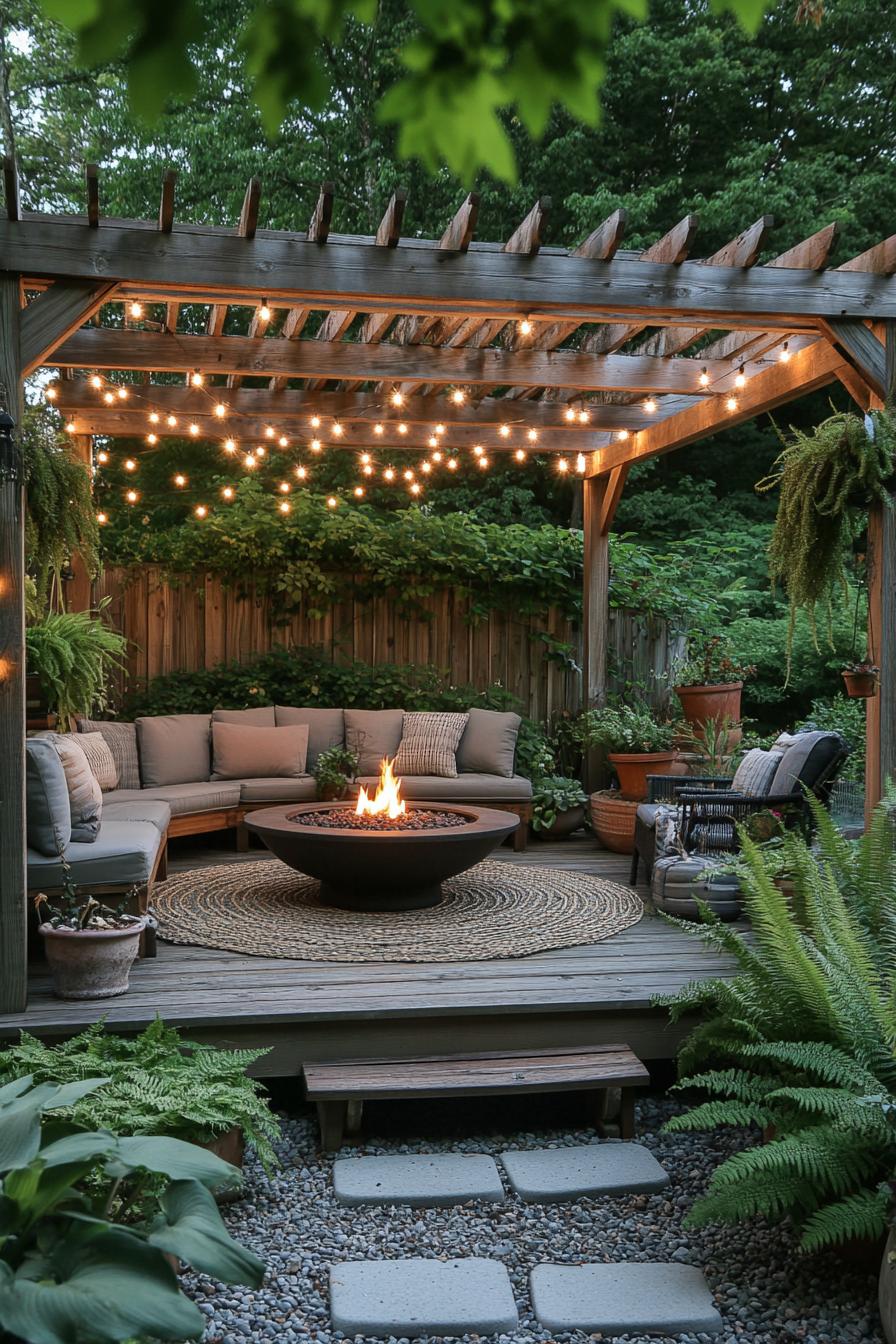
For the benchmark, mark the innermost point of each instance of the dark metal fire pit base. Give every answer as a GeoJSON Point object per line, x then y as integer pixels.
{"type": "Point", "coordinates": [381, 870]}
{"type": "Point", "coordinates": [344, 898]}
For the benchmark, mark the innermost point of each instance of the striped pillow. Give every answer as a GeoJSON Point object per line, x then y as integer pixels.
{"type": "Point", "coordinates": [99, 758]}
{"type": "Point", "coordinates": [121, 739]}
{"type": "Point", "coordinates": [429, 744]}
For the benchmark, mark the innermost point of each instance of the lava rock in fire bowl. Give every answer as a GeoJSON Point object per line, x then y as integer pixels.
{"type": "Point", "coordinates": [381, 863]}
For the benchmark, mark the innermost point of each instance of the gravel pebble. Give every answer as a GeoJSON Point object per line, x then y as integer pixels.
{"type": "Point", "coordinates": [766, 1291]}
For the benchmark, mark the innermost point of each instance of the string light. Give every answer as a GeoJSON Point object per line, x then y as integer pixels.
{"type": "Point", "coordinates": [283, 441]}
{"type": "Point", "coordinates": [397, 398]}
{"type": "Point", "coordinates": [458, 396]}
{"type": "Point", "coordinates": [740, 380]}
{"type": "Point", "coordinates": [584, 416]}
{"type": "Point", "coordinates": [581, 464]}
{"type": "Point", "coordinates": [197, 379]}
{"type": "Point", "coordinates": [122, 394]}
{"type": "Point", "coordinates": [440, 428]}
{"type": "Point", "coordinates": [264, 312]}
{"type": "Point", "coordinates": [108, 398]}
{"type": "Point", "coordinates": [220, 410]}
{"type": "Point", "coordinates": [562, 465]}
{"type": "Point", "coordinates": [227, 492]}
{"type": "Point", "coordinates": [302, 473]}
{"type": "Point", "coordinates": [378, 429]}
{"type": "Point", "coordinates": [171, 421]}
{"type": "Point", "coordinates": [416, 488]}
{"type": "Point", "coordinates": [70, 427]}
{"type": "Point", "coordinates": [269, 432]}
{"type": "Point", "coordinates": [704, 377]}
{"type": "Point", "coordinates": [332, 502]}
{"type": "Point", "coordinates": [96, 381]}
{"type": "Point", "coordinates": [432, 441]}
{"type": "Point", "coordinates": [152, 438]}
{"type": "Point", "coordinates": [249, 462]}
{"type": "Point", "coordinates": [130, 464]}
{"type": "Point", "coordinates": [520, 455]}
{"type": "Point", "coordinates": [731, 404]}
{"type": "Point", "coordinates": [284, 506]}
{"type": "Point", "coordinates": [483, 462]}
{"type": "Point", "coordinates": [403, 428]}
{"type": "Point", "coordinates": [478, 449]}
{"type": "Point", "coordinates": [180, 480]}
{"type": "Point", "coordinates": [650, 405]}
{"type": "Point", "coordinates": [284, 487]}
{"type": "Point", "coordinates": [338, 430]}
{"type": "Point", "coordinates": [316, 445]}
{"type": "Point", "coordinates": [452, 464]}
{"type": "Point", "coordinates": [315, 422]}
{"type": "Point", "coordinates": [153, 417]}
{"type": "Point", "coordinates": [131, 496]}
{"type": "Point", "coordinates": [368, 470]}
{"type": "Point", "coordinates": [102, 456]}
{"type": "Point", "coordinates": [102, 518]}
{"type": "Point", "coordinates": [261, 451]}
{"type": "Point", "coordinates": [408, 474]}
{"type": "Point", "coordinates": [622, 435]}
{"type": "Point", "coordinates": [532, 436]}
{"type": "Point", "coordinates": [136, 309]}
{"type": "Point", "coordinates": [389, 474]}
{"type": "Point", "coordinates": [504, 431]}
{"type": "Point", "coordinates": [569, 414]}
{"type": "Point", "coordinates": [194, 429]}
{"type": "Point", "coordinates": [359, 492]}
{"type": "Point", "coordinates": [437, 456]}
{"type": "Point", "coordinates": [786, 353]}
{"type": "Point", "coordinates": [525, 327]}
{"type": "Point", "coordinates": [365, 459]}
{"type": "Point", "coordinates": [426, 468]}
{"type": "Point", "coordinates": [52, 393]}
{"type": "Point", "coordinates": [201, 511]}
{"type": "Point", "coordinates": [230, 445]}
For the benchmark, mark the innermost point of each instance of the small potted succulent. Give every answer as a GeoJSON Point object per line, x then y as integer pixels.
{"type": "Point", "coordinates": [558, 807]}
{"type": "Point", "coordinates": [334, 771]}
{"type": "Point", "coordinates": [860, 679]}
{"type": "Point", "coordinates": [711, 682]}
{"type": "Point", "coordinates": [638, 744]}
{"type": "Point", "coordinates": [90, 947]}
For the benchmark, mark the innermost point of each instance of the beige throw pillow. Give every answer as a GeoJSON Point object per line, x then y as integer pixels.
{"type": "Point", "coordinates": [243, 752]}
{"type": "Point", "coordinates": [488, 746]}
{"type": "Point", "coordinates": [84, 795]}
{"type": "Point", "coordinates": [374, 734]}
{"type": "Point", "coordinates": [429, 744]}
{"type": "Point", "coordinates": [100, 759]}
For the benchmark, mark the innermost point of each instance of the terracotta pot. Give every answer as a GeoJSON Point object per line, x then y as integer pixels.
{"type": "Point", "coordinates": [886, 1290]}
{"type": "Point", "coordinates": [634, 767]}
{"type": "Point", "coordinates": [566, 822]}
{"type": "Point", "coordinates": [91, 963]}
{"type": "Point", "coordinates": [860, 685]}
{"type": "Point", "coordinates": [230, 1147]}
{"type": "Point", "coordinates": [613, 819]}
{"type": "Point", "coordinates": [699, 704]}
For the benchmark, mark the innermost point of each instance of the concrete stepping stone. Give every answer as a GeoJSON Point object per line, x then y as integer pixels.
{"type": "Point", "coordinates": [420, 1180]}
{"type": "Point", "coordinates": [408, 1298]}
{"type": "Point", "coordinates": [554, 1175]}
{"type": "Point", "coordinates": [624, 1299]}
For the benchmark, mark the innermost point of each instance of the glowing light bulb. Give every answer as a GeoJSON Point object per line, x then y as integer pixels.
{"type": "Point", "coordinates": [432, 441]}
{"type": "Point", "coordinates": [451, 464]}
{"type": "Point", "coordinates": [504, 431]}
{"type": "Point", "coordinates": [284, 487]}
{"type": "Point", "coordinates": [650, 405]}
{"type": "Point", "coordinates": [440, 429]}
{"type": "Point", "coordinates": [368, 470]}
{"type": "Point", "coordinates": [108, 398]}
{"type": "Point", "coordinates": [102, 518]}
{"type": "Point", "coordinates": [136, 309]}
{"type": "Point", "coordinates": [785, 353]}
{"type": "Point", "coordinates": [264, 312]}
{"type": "Point", "coordinates": [283, 441]}
{"type": "Point", "coordinates": [520, 455]}
{"type": "Point", "coordinates": [194, 429]}
{"type": "Point", "coordinates": [483, 462]}
{"type": "Point", "coordinates": [284, 506]}
{"type": "Point", "coordinates": [102, 456]}
{"type": "Point", "coordinates": [478, 449]}
{"type": "Point", "coordinates": [338, 429]}
{"type": "Point", "coordinates": [332, 502]}
{"type": "Point", "coordinates": [249, 462]}
{"type": "Point", "coordinates": [52, 393]}
{"type": "Point", "coordinates": [704, 377]}
{"type": "Point", "coordinates": [171, 421]}
{"type": "Point", "coordinates": [359, 491]}
{"type": "Point", "coordinates": [584, 416]}
{"type": "Point", "coordinates": [315, 422]}
{"type": "Point", "coordinates": [402, 428]}
{"type": "Point", "coordinates": [197, 379]}
{"type": "Point", "coordinates": [581, 464]}
{"type": "Point", "coordinates": [365, 458]}
{"type": "Point", "coordinates": [201, 511]}
{"type": "Point", "coordinates": [562, 465]}
{"type": "Point", "coordinates": [740, 378]}
{"type": "Point", "coordinates": [525, 327]}
{"type": "Point", "coordinates": [70, 427]}
{"type": "Point", "coordinates": [408, 475]}
{"type": "Point", "coordinates": [261, 451]}
{"type": "Point", "coordinates": [569, 414]}
{"type": "Point", "coordinates": [622, 435]}
{"type": "Point", "coordinates": [153, 417]}
{"type": "Point", "coordinates": [416, 488]}
{"type": "Point", "coordinates": [397, 398]}
{"type": "Point", "coordinates": [180, 479]}
{"type": "Point", "coordinates": [437, 456]}
{"type": "Point", "coordinates": [131, 496]}
{"type": "Point", "coordinates": [316, 445]}
{"type": "Point", "coordinates": [731, 404]}
{"type": "Point", "coordinates": [227, 492]}
{"type": "Point", "coordinates": [122, 394]}
{"type": "Point", "coordinates": [426, 468]}
{"type": "Point", "coordinates": [130, 464]}
{"type": "Point", "coordinates": [229, 446]}
{"type": "Point", "coordinates": [269, 431]}
{"type": "Point", "coordinates": [96, 381]}
{"type": "Point", "coordinates": [302, 472]}
{"type": "Point", "coordinates": [378, 429]}
{"type": "Point", "coordinates": [220, 410]}
{"type": "Point", "coordinates": [532, 436]}
{"type": "Point", "coordinates": [389, 474]}
{"type": "Point", "coordinates": [458, 396]}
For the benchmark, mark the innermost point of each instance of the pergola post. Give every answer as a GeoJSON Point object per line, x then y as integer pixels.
{"type": "Point", "coordinates": [880, 721]}
{"type": "Point", "coordinates": [13, 928]}
{"type": "Point", "coordinates": [596, 592]}
{"type": "Point", "coordinates": [79, 589]}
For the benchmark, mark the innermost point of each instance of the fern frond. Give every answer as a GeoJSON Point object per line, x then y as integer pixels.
{"type": "Point", "coordinates": [864, 1215]}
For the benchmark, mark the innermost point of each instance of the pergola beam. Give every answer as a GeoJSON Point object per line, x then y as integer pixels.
{"type": "Point", "coordinates": [104, 348]}
{"type": "Point", "coordinates": [862, 349]}
{"type": "Point", "coordinates": [55, 315]}
{"type": "Point", "coordinates": [412, 277]}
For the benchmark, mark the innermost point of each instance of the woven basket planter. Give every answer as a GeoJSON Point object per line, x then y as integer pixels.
{"type": "Point", "coordinates": [613, 819]}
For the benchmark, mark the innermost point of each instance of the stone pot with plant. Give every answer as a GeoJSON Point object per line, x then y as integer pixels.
{"type": "Point", "coordinates": [711, 683]}
{"type": "Point", "coordinates": [90, 947]}
{"type": "Point", "coordinates": [637, 743]}
{"type": "Point", "coordinates": [558, 807]}
{"type": "Point", "coordinates": [335, 769]}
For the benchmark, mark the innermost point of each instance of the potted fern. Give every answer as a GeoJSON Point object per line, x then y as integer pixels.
{"type": "Point", "coordinates": [73, 655]}
{"type": "Point", "coordinates": [90, 947]}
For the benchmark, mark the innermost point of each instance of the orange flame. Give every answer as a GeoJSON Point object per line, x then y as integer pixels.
{"type": "Point", "coordinates": [387, 798]}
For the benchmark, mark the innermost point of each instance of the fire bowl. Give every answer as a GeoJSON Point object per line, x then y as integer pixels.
{"type": "Point", "coordinates": [375, 869]}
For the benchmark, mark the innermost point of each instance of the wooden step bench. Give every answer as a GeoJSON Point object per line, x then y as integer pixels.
{"type": "Point", "coordinates": [341, 1087]}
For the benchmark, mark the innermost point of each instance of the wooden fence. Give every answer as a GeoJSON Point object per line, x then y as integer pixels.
{"type": "Point", "coordinates": [188, 622]}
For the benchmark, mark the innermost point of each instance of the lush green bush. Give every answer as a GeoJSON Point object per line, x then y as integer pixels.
{"type": "Point", "coordinates": [625, 728]}
{"type": "Point", "coordinates": [841, 715]}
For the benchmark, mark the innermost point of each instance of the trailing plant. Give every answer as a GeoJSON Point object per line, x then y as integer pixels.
{"type": "Point", "coordinates": [801, 1038]}
{"type": "Point", "coordinates": [60, 519]}
{"type": "Point", "coordinates": [551, 796]}
{"type": "Point", "coordinates": [334, 771]}
{"type": "Point", "coordinates": [73, 1266]}
{"type": "Point", "coordinates": [626, 729]}
{"type": "Point", "coordinates": [74, 654]}
{"type": "Point", "coordinates": [827, 480]}
{"type": "Point", "coordinates": [712, 662]}
{"type": "Point", "coordinates": [78, 911]}
{"type": "Point", "coordinates": [156, 1083]}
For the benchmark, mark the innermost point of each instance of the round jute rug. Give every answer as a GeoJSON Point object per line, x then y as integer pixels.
{"type": "Point", "coordinates": [494, 910]}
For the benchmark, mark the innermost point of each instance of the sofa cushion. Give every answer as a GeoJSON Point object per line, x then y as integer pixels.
{"type": "Point", "coordinates": [806, 761]}
{"type": "Point", "coordinates": [183, 799]}
{"type": "Point", "coordinates": [174, 749]}
{"type": "Point", "coordinates": [374, 734]}
{"type": "Point", "coordinates": [48, 810]}
{"type": "Point", "coordinates": [122, 855]}
{"type": "Point", "coordinates": [469, 788]}
{"type": "Point", "coordinates": [243, 752]}
{"type": "Point", "coordinates": [428, 744]}
{"type": "Point", "coordinates": [84, 794]}
{"type": "Point", "coordinates": [326, 728]}
{"type": "Point", "coordinates": [756, 772]}
{"type": "Point", "coordinates": [262, 716]}
{"type": "Point", "coordinates": [138, 809]}
{"type": "Point", "coordinates": [122, 742]}
{"type": "Point", "coordinates": [99, 758]}
{"type": "Point", "coordinates": [302, 789]}
{"type": "Point", "coordinates": [488, 745]}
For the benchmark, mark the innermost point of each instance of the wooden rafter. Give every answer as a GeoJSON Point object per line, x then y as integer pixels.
{"type": "Point", "coordinates": [55, 315]}
{"type": "Point", "coordinates": [246, 228]}
{"type": "Point", "coordinates": [863, 351]}
{"type": "Point", "coordinates": [319, 227]}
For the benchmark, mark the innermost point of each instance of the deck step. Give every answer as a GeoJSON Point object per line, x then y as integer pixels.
{"type": "Point", "coordinates": [556, 1175]}
{"type": "Point", "coordinates": [409, 1298]}
{"type": "Point", "coordinates": [418, 1180]}
{"type": "Point", "coordinates": [622, 1299]}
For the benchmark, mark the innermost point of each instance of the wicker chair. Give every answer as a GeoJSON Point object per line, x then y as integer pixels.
{"type": "Point", "coordinates": [710, 812]}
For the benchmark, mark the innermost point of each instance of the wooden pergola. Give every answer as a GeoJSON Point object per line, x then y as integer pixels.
{"type": "Point", "coordinates": [611, 355]}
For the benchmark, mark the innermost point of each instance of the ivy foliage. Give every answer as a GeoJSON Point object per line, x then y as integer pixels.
{"type": "Point", "coordinates": [60, 521]}
{"type": "Point", "coordinates": [462, 67]}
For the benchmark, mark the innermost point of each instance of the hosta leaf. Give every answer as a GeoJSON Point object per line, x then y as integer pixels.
{"type": "Point", "coordinates": [191, 1228]}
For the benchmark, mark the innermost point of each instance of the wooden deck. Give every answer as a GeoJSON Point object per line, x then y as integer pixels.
{"type": "Point", "coordinates": [599, 994]}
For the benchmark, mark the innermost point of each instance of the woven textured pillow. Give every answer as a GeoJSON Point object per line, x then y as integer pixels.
{"type": "Point", "coordinates": [755, 773]}
{"type": "Point", "coordinates": [122, 742]}
{"type": "Point", "coordinates": [429, 744]}
{"type": "Point", "coordinates": [99, 758]}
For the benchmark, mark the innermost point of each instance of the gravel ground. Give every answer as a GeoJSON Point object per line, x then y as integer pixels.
{"type": "Point", "coordinates": [766, 1292]}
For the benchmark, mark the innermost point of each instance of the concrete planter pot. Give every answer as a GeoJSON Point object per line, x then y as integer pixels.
{"type": "Point", "coordinates": [634, 767]}
{"type": "Point", "coordinates": [886, 1289]}
{"type": "Point", "coordinates": [91, 963]}
{"type": "Point", "coordinates": [699, 704]}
